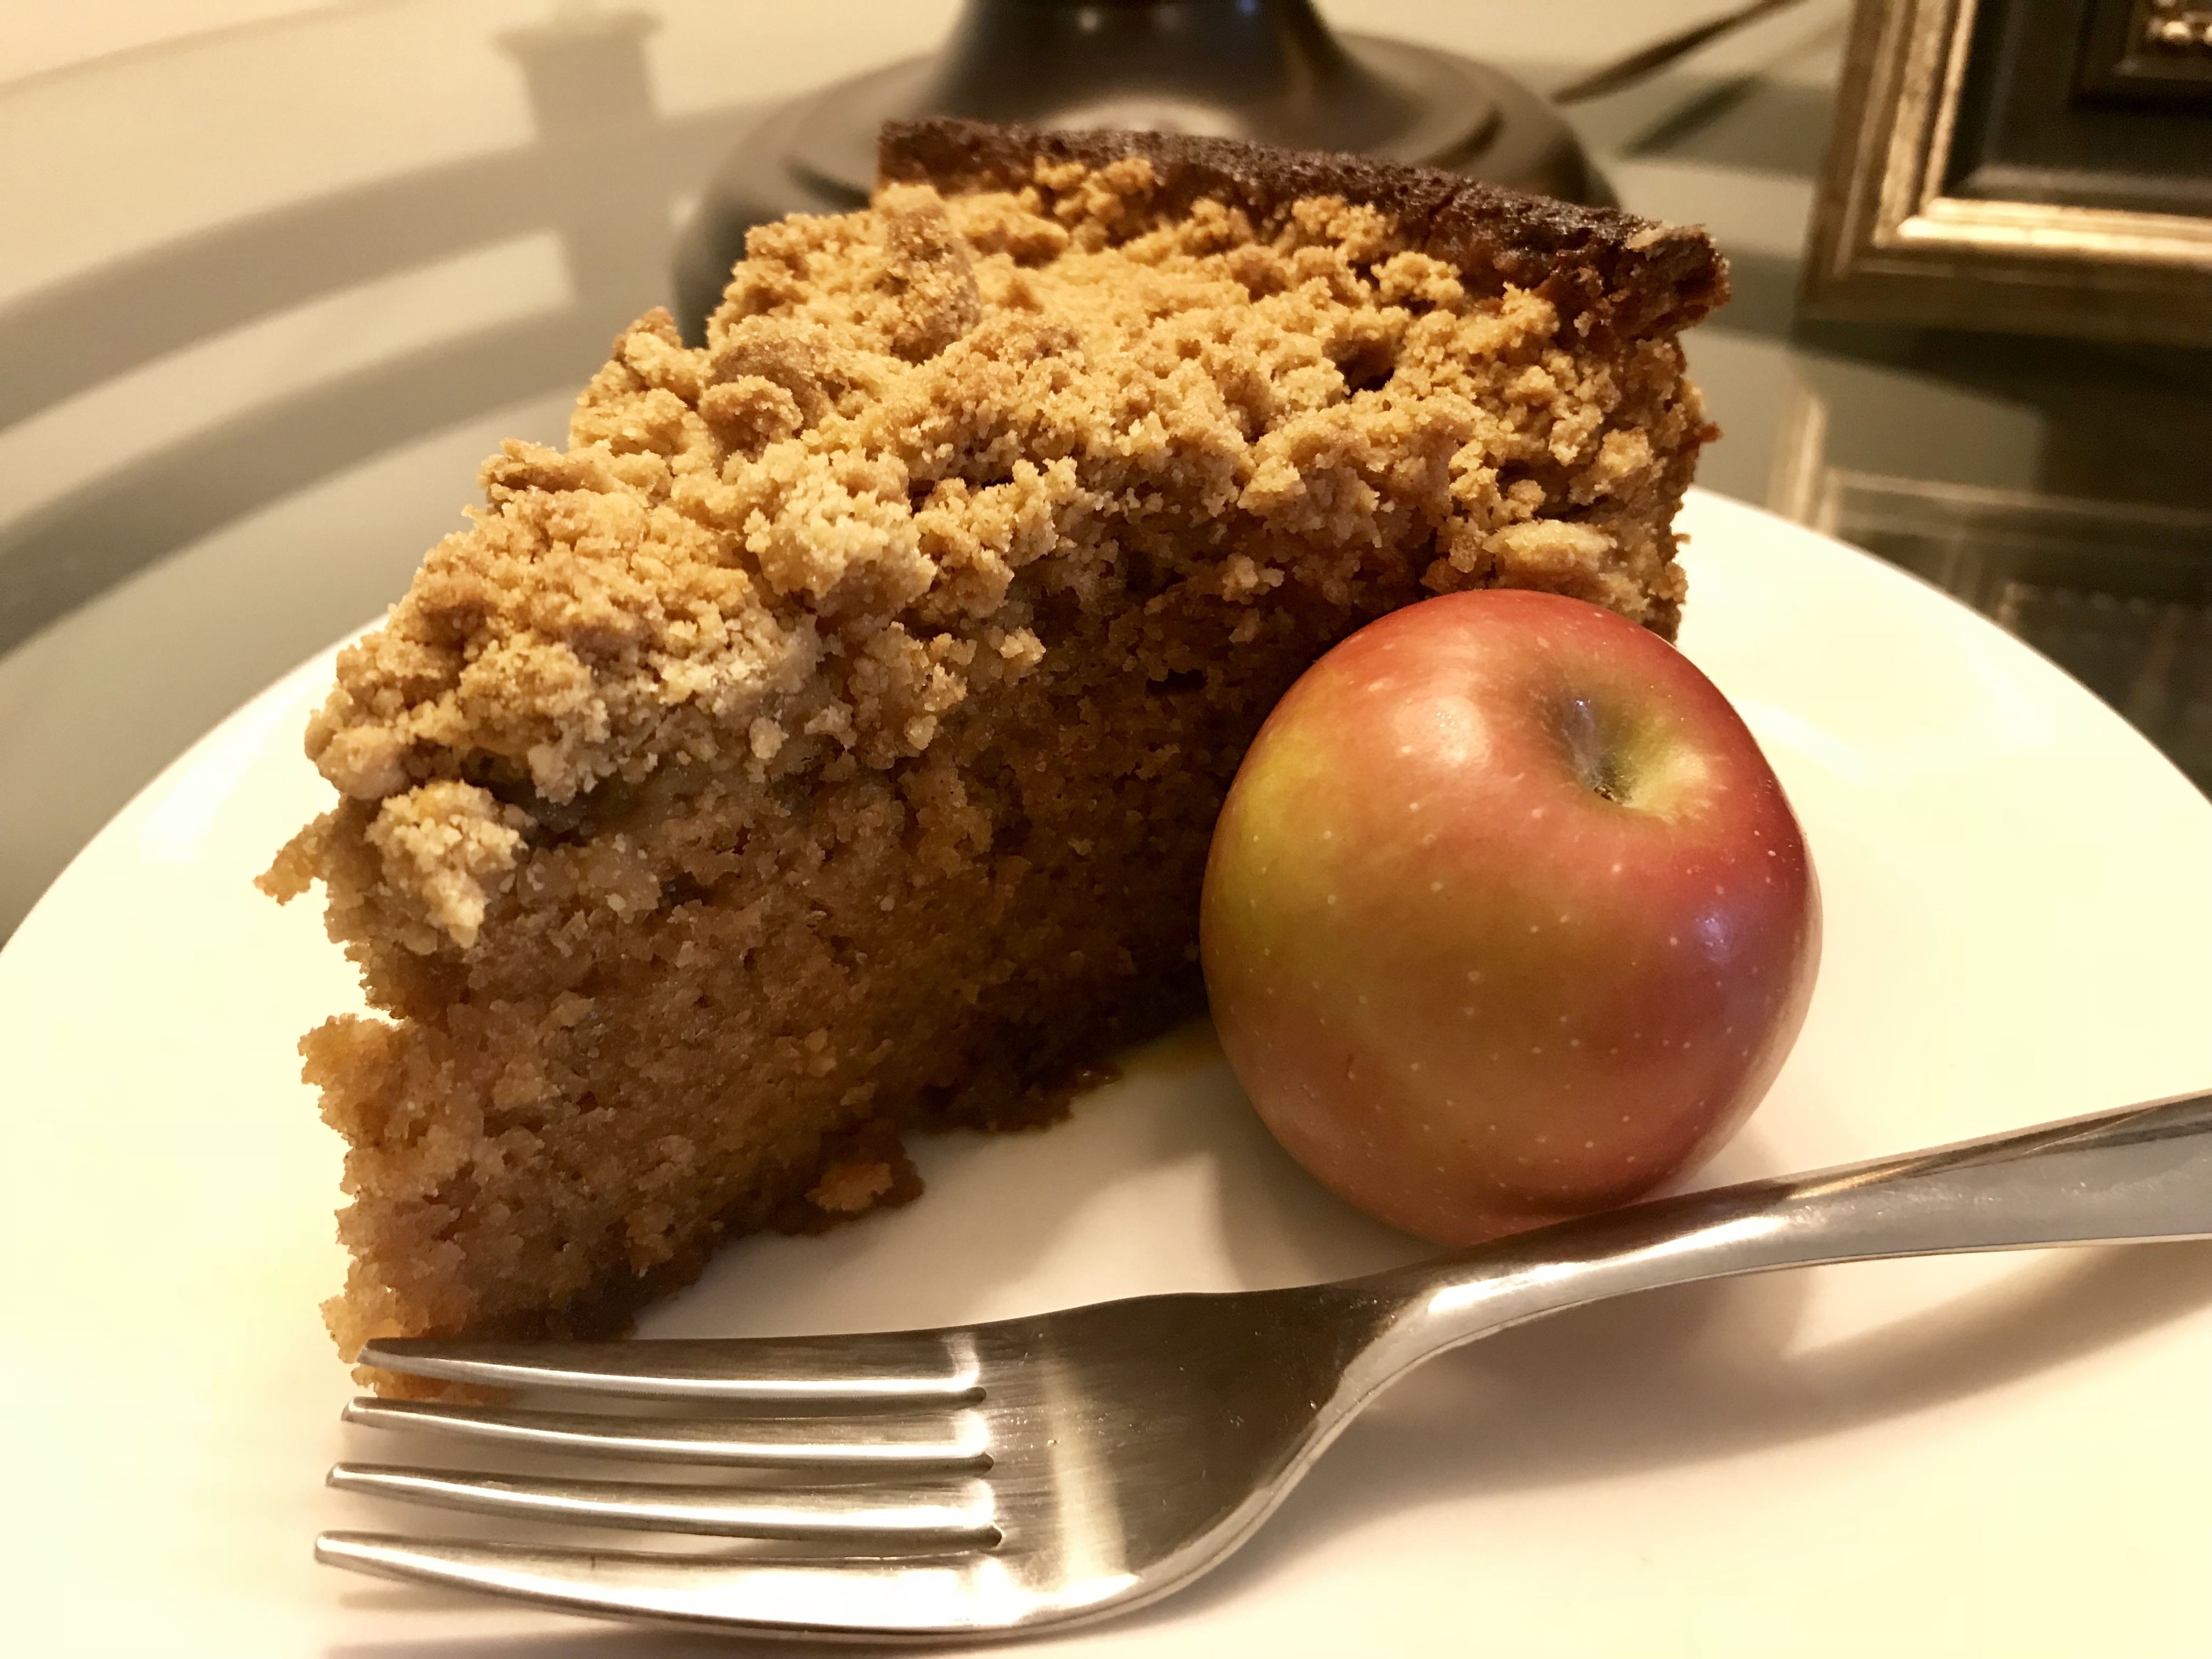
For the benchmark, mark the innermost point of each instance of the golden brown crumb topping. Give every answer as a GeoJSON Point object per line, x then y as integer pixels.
{"type": "Point", "coordinates": [799, 543]}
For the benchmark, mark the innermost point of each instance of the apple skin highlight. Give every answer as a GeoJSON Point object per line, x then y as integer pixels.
{"type": "Point", "coordinates": [1506, 919]}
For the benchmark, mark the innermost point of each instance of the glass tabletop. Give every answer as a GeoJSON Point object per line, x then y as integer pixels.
{"type": "Point", "coordinates": [283, 271]}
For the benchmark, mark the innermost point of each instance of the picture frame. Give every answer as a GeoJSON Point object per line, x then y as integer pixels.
{"type": "Point", "coordinates": [2030, 165]}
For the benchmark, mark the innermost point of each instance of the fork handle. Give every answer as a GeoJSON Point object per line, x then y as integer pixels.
{"type": "Point", "coordinates": [2137, 1176]}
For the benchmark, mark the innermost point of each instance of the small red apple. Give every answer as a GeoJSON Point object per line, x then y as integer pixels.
{"type": "Point", "coordinates": [1506, 918]}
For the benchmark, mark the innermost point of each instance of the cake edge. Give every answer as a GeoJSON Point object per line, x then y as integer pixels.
{"type": "Point", "coordinates": [1610, 271]}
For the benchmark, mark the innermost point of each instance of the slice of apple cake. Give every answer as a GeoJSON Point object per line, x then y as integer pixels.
{"type": "Point", "coordinates": [826, 743]}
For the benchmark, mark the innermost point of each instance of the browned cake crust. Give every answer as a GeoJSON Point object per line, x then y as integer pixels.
{"type": "Point", "coordinates": [827, 742]}
{"type": "Point", "coordinates": [1609, 272]}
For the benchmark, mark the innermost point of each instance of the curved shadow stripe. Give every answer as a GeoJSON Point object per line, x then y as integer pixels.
{"type": "Point", "coordinates": [604, 188]}
{"type": "Point", "coordinates": [116, 526]}
{"type": "Point", "coordinates": [56, 344]}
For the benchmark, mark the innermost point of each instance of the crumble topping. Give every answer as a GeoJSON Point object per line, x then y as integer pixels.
{"type": "Point", "coordinates": [801, 542]}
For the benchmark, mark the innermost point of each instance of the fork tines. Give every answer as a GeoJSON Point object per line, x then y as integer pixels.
{"type": "Point", "coordinates": [881, 1446]}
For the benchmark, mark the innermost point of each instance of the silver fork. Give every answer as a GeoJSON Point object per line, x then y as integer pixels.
{"type": "Point", "coordinates": [991, 1480]}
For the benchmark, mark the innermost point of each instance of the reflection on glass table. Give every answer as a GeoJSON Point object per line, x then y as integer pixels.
{"type": "Point", "coordinates": [2118, 595]}
{"type": "Point", "coordinates": [2056, 487]}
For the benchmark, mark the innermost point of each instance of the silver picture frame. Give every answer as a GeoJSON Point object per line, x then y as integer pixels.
{"type": "Point", "coordinates": [1893, 241]}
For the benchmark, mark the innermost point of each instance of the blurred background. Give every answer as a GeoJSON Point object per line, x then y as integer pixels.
{"type": "Point", "coordinates": [274, 275]}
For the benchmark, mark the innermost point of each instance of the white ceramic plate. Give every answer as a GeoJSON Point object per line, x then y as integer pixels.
{"type": "Point", "coordinates": [1998, 1455]}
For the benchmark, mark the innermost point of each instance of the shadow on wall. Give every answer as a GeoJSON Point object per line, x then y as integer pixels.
{"type": "Point", "coordinates": [601, 175]}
